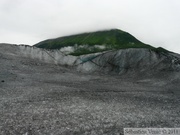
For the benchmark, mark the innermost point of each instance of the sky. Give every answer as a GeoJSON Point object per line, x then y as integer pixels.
{"type": "Point", "coordinates": [155, 22]}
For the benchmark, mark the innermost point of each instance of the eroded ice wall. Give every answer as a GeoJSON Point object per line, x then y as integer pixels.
{"type": "Point", "coordinates": [132, 59]}
{"type": "Point", "coordinates": [118, 61]}
{"type": "Point", "coordinates": [49, 56]}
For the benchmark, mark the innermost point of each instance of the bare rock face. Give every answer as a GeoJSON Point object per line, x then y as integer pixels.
{"type": "Point", "coordinates": [117, 61]}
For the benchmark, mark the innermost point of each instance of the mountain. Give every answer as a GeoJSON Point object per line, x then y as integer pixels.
{"type": "Point", "coordinates": [110, 51]}
{"type": "Point", "coordinates": [93, 42]}
{"type": "Point", "coordinates": [45, 91]}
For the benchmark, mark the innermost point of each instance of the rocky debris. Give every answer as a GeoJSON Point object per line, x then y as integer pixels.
{"type": "Point", "coordinates": [40, 96]}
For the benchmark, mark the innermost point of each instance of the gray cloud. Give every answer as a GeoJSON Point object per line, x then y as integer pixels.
{"type": "Point", "coordinates": [155, 22]}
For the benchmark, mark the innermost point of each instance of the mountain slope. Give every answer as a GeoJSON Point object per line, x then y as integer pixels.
{"type": "Point", "coordinates": [111, 39]}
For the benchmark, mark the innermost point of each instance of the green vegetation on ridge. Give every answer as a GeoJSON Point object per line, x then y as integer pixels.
{"type": "Point", "coordinates": [111, 39]}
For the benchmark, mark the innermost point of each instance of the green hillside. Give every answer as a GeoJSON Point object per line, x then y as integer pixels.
{"type": "Point", "coordinates": [111, 39]}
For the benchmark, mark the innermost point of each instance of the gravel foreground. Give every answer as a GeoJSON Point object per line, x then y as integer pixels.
{"type": "Point", "coordinates": [37, 98]}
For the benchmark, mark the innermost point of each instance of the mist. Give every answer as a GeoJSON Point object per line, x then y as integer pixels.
{"type": "Point", "coordinates": [155, 22]}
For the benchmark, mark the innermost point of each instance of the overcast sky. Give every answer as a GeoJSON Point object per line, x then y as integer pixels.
{"type": "Point", "coordinates": [155, 22]}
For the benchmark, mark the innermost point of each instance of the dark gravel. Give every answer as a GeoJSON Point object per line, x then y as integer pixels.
{"type": "Point", "coordinates": [37, 98]}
